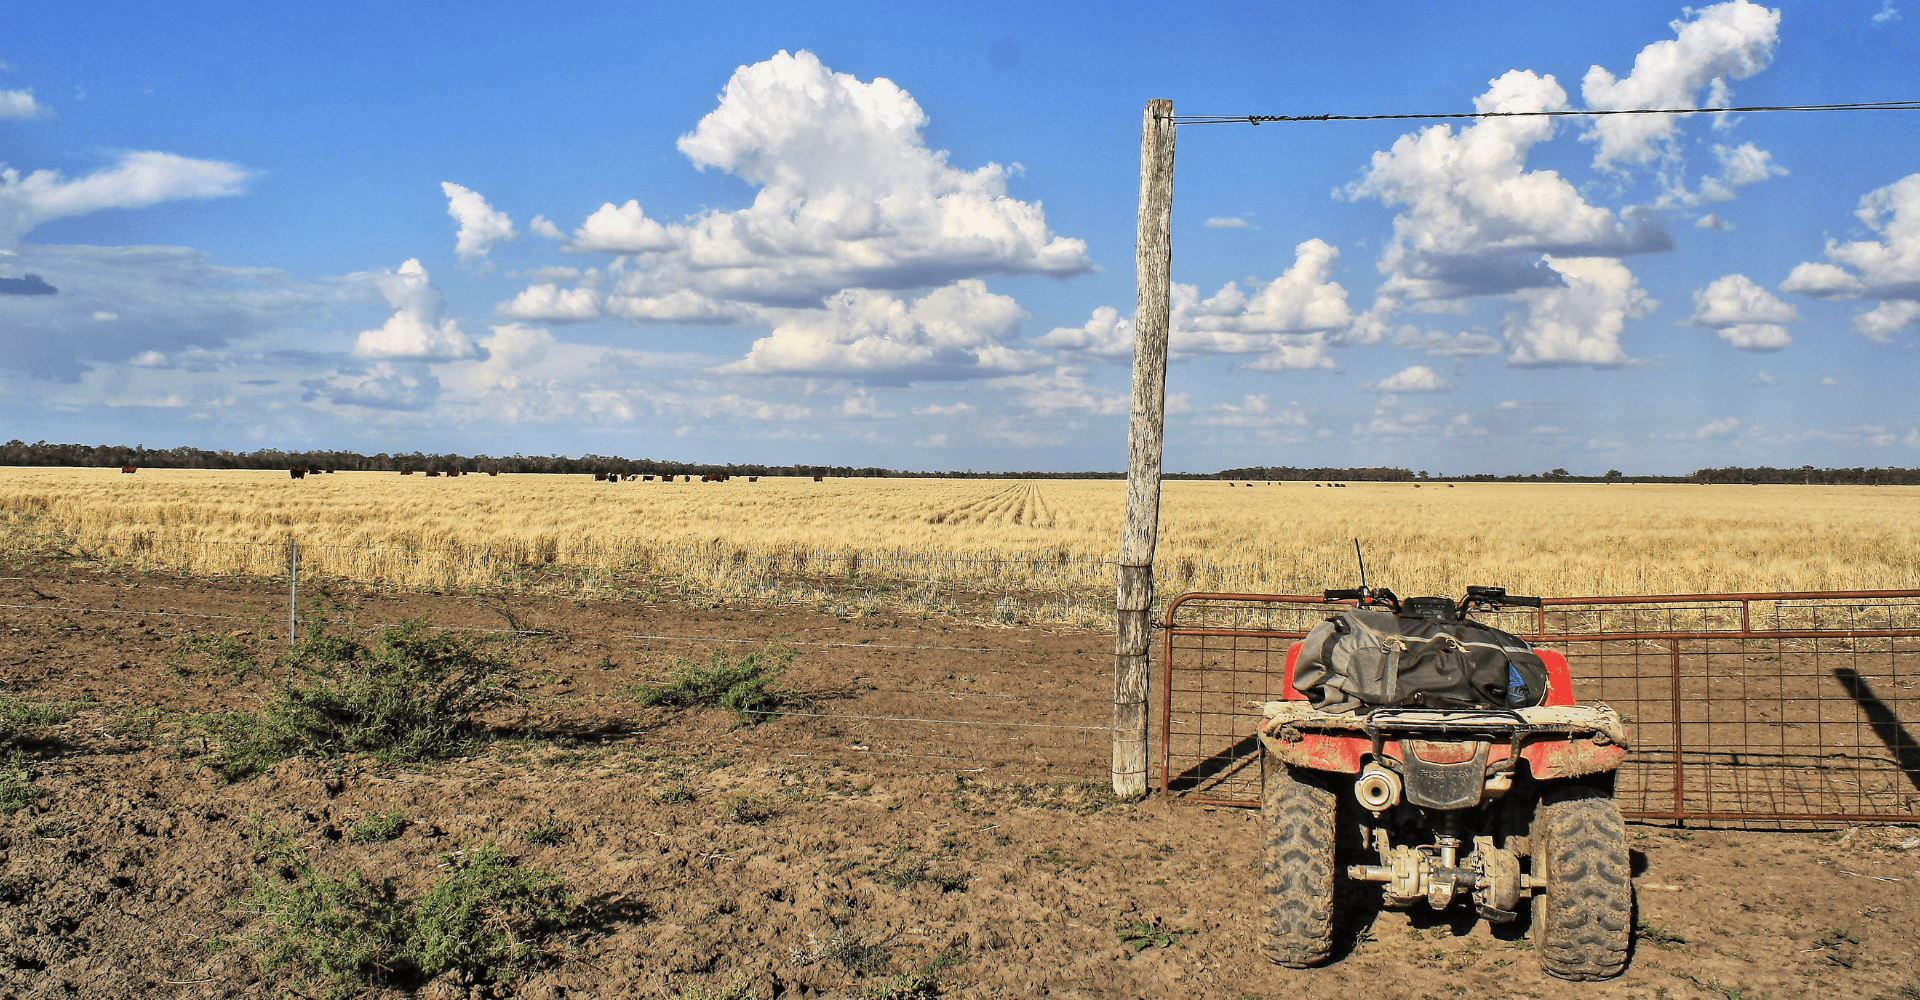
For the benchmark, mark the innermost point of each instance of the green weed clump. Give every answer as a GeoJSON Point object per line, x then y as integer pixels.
{"type": "Point", "coordinates": [481, 919]}
{"type": "Point", "coordinates": [749, 809]}
{"type": "Point", "coordinates": [16, 784]}
{"type": "Point", "coordinates": [672, 795]}
{"type": "Point", "coordinates": [377, 829]}
{"type": "Point", "coordinates": [18, 717]}
{"type": "Point", "coordinates": [227, 652]}
{"type": "Point", "coordinates": [1143, 934]}
{"type": "Point", "coordinates": [745, 686]}
{"type": "Point", "coordinates": [405, 697]}
{"type": "Point", "coordinates": [546, 834]}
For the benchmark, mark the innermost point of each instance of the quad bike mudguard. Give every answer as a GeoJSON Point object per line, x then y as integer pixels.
{"type": "Point", "coordinates": [1557, 739]}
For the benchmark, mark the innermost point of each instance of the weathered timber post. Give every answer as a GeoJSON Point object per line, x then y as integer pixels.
{"type": "Point", "coordinates": [1134, 592]}
{"type": "Point", "coordinates": [293, 592]}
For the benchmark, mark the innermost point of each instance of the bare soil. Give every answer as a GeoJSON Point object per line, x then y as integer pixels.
{"type": "Point", "coordinates": [886, 844]}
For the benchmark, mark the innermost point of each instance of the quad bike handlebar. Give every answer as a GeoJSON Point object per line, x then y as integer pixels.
{"type": "Point", "coordinates": [1486, 597]}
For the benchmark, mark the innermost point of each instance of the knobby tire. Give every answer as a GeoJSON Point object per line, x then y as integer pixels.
{"type": "Point", "coordinates": [1299, 814]}
{"type": "Point", "coordinates": [1583, 922]}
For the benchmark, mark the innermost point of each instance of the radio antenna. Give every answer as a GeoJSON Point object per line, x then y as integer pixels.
{"type": "Point", "coordinates": [1363, 565]}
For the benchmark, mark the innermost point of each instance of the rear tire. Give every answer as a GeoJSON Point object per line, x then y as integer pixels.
{"type": "Point", "coordinates": [1299, 813]}
{"type": "Point", "coordinates": [1583, 920]}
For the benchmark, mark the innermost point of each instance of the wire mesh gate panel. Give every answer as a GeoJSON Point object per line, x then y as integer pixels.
{"type": "Point", "coordinates": [1787, 708]}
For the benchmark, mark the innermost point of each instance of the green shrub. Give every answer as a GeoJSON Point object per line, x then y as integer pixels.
{"type": "Point", "coordinates": [405, 698]}
{"type": "Point", "coordinates": [349, 930]}
{"type": "Point", "coordinates": [744, 686]}
{"type": "Point", "coordinates": [482, 915]}
{"type": "Point", "coordinates": [481, 919]}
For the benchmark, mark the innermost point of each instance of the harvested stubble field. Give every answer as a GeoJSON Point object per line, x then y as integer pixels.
{"type": "Point", "coordinates": [660, 851]}
{"type": "Point", "coordinates": [1006, 550]}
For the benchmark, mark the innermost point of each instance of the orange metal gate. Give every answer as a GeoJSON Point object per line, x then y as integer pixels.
{"type": "Point", "coordinates": [1784, 708]}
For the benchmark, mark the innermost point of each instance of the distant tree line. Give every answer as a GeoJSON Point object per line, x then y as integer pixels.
{"type": "Point", "coordinates": [40, 453]}
{"type": "Point", "coordinates": [1810, 476]}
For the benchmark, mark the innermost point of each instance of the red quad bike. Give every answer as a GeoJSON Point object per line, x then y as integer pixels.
{"type": "Point", "coordinates": [1479, 807]}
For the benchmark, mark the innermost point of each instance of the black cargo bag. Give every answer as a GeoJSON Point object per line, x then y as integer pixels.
{"type": "Point", "coordinates": [1360, 660]}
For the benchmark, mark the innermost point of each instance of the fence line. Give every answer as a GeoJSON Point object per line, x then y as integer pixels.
{"type": "Point", "coordinates": [529, 631]}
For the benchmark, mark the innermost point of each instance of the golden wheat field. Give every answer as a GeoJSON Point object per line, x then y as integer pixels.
{"type": "Point", "coordinates": [921, 542]}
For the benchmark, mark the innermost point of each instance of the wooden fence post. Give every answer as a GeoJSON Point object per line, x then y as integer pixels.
{"type": "Point", "coordinates": [293, 592]}
{"type": "Point", "coordinates": [1133, 597]}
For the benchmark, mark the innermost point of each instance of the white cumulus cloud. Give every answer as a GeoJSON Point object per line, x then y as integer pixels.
{"type": "Point", "coordinates": [1717, 428]}
{"type": "Point", "coordinates": [1252, 411]}
{"type": "Point", "coordinates": [862, 405]}
{"type": "Point", "coordinates": [20, 104]}
{"type": "Point", "coordinates": [1476, 221]}
{"type": "Point", "coordinates": [1743, 314]}
{"type": "Point", "coordinates": [1721, 42]}
{"type": "Point", "coordinates": [383, 386]}
{"type": "Point", "coordinates": [1286, 320]}
{"type": "Point", "coordinates": [1105, 334]}
{"type": "Point", "coordinates": [1064, 388]}
{"type": "Point", "coordinates": [849, 197]}
{"type": "Point", "coordinates": [138, 180]}
{"type": "Point", "coordinates": [1580, 323]}
{"type": "Point", "coordinates": [950, 333]}
{"type": "Point", "coordinates": [416, 329]}
{"type": "Point", "coordinates": [1887, 269]}
{"type": "Point", "coordinates": [1418, 378]}
{"type": "Point", "coordinates": [482, 227]}
{"type": "Point", "coordinates": [551, 303]}
{"type": "Point", "coordinates": [622, 230]}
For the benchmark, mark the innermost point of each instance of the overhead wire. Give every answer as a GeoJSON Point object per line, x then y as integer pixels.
{"type": "Point", "coordinates": [1588, 113]}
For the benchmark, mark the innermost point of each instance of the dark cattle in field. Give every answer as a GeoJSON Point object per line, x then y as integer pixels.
{"type": "Point", "coordinates": [819, 479]}
{"type": "Point", "coordinates": [753, 479]}
{"type": "Point", "coordinates": [297, 473]}
{"type": "Point", "coordinates": [406, 472]}
{"type": "Point", "coordinates": [493, 472]}
{"type": "Point", "coordinates": [433, 475]}
{"type": "Point", "coordinates": [128, 470]}
{"type": "Point", "coordinates": [599, 477]}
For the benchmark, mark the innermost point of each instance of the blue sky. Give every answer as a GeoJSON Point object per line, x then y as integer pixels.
{"type": "Point", "coordinates": [902, 234]}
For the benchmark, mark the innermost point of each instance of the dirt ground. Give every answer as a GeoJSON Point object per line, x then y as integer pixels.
{"type": "Point", "coordinates": [878, 851]}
